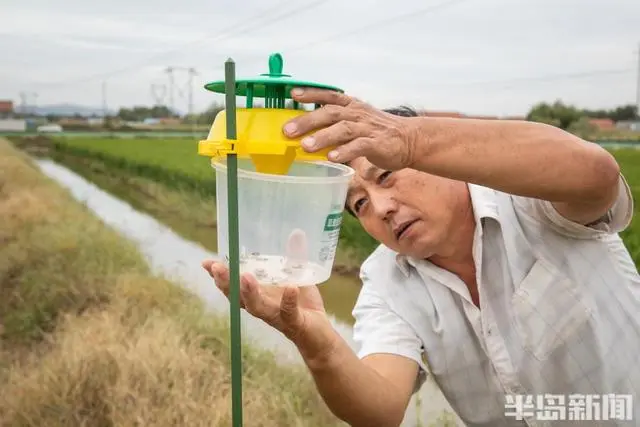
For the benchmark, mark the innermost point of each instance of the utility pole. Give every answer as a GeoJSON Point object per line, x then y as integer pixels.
{"type": "Point", "coordinates": [158, 92]}
{"type": "Point", "coordinates": [28, 108]}
{"type": "Point", "coordinates": [169, 71]}
{"type": "Point", "coordinates": [191, 72]}
{"type": "Point", "coordinates": [104, 100]}
{"type": "Point", "coordinates": [638, 86]}
{"type": "Point", "coordinates": [24, 102]}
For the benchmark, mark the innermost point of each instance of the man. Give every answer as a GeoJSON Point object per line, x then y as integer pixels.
{"type": "Point", "coordinates": [500, 272]}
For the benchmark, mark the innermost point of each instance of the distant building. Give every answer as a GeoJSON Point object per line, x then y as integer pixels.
{"type": "Point", "coordinates": [73, 121]}
{"type": "Point", "coordinates": [603, 124]}
{"type": "Point", "coordinates": [13, 125]}
{"type": "Point", "coordinates": [95, 121]}
{"type": "Point", "coordinates": [632, 125]}
{"type": "Point", "coordinates": [170, 121]}
{"type": "Point", "coordinates": [49, 128]}
{"type": "Point", "coordinates": [6, 109]}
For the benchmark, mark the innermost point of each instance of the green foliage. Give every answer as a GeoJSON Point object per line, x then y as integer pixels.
{"type": "Point", "coordinates": [174, 162]}
{"type": "Point", "coordinates": [629, 161]}
{"type": "Point", "coordinates": [139, 113]}
{"type": "Point", "coordinates": [557, 114]}
{"type": "Point", "coordinates": [576, 120]}
{"type": "Point", "coordinates": [210, 113]}
{"type": "Point", "coordinates": [582, 128]}
{"type": "Point", "coordinates": [624, 112]}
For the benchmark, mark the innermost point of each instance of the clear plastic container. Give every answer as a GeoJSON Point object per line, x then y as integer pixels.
{"type": "Point", "coordinates": [288, 224]}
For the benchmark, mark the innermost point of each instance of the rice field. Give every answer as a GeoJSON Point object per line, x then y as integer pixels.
{"type": "Point", "coordinates": [175, 162]}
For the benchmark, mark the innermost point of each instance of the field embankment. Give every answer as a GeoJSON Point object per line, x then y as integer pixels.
{"type": "Point", "coordinates": [89, 337]}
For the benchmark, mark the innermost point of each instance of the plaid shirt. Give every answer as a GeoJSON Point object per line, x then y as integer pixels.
{"type": "Point", "coordinates": [559, 316]}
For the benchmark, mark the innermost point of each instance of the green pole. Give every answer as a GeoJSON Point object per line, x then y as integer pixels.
{"type": "Point", "coordinates": [234, 250]}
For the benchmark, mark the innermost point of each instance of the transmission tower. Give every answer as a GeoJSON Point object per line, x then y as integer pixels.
{"type": "Point", "coordinates": [25, 106]}
{"type": "Point", "coordinates": [191, 73]}
{"type": "Point", "coordinates": [158, 93]}
{"type": "Point", "coordinates": [169, 71]}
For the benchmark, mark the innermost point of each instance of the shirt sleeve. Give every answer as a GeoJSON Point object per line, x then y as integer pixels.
{"type": "Point", "coordinates": [615, 220]}
{"type": "Point", "coordinates": [378, 329]}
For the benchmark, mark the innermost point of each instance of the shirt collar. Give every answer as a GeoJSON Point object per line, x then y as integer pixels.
{"type": "Point", "coordinates": [483, 203]}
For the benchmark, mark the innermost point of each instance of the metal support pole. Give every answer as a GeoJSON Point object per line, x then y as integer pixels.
{"type": "Point", "coordinates": [234, 250]}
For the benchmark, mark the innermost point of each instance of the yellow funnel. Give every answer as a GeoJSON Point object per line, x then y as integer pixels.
{"type": "Point", "coordinates": [260, 138]}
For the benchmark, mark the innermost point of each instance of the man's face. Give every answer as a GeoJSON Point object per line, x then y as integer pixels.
{"type": "Point", "coordinates": [408, 211]}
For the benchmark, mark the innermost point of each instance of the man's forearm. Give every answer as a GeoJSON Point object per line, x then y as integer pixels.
{"type": "Point", "coordinates": [524, 158]}
{"type": "Point", "coordinates": [353, 391]}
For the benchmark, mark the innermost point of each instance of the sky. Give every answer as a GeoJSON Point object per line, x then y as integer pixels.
{"type": "Point", "coordinates": [489, 57]}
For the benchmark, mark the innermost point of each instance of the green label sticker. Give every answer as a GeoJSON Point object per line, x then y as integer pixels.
{"type": "Point", "coordinates": [333, 221]}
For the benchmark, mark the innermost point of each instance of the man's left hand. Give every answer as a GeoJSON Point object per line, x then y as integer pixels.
{"type": "Point", "coordinates": [353, 129]}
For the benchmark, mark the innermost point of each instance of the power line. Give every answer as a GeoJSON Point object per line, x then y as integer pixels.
{"type": "Point", "coordinates": [255, 26]}
{"type": "Point", "coordinates": [544, 78]}
{"type": "Point", "coordinates": [246, 24]}
{"type": "Point", "coordinates": [400, 17]}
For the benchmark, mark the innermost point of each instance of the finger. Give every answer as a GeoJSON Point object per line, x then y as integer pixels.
{"type": "Point", "coordinates": [340, 133]}
{"type": "Point", "coordinates": [354, 149]}
{"type": "Point", "coordinates": [207, 263]}
{"type": "Point", "coordinates": [320, 118]}
{"type": "Point", "coordinates": [289, 311]}
{"type": "Point", "coordinates": [310, 95]}
{"type": "Point", "coordinates": [297, 246]}
{"type": "Point", "coordinates": [220, 274]}
{"type": "Point", "coordinates": [254, 300]}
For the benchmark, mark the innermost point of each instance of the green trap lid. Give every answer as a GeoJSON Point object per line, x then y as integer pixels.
{"type": "Point", "coordinates": [267, 85]}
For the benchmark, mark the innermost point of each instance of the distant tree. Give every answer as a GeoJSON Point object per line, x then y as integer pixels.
{"type": "Point", "coordinates": [208, 115]}
{"type": "Point", "coordinates": [557, 114]}
{"type": "Point", "coordinates": [624, 112]}
{"type": "Point", "coordinates": [582, 128]}
{"type": "Point", "coordinates": [139, 113]}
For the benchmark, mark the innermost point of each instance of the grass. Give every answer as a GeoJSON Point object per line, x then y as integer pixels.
{"type": "Point", "coordinates": [174, 162]}
{"type": "Point", "coordinates": [629, 161]}
{"type": "Point", "coordinates": [89, 337]}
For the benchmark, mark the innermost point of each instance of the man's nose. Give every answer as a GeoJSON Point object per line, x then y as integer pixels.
{"type": "Point", "coordinates": [383, 205]}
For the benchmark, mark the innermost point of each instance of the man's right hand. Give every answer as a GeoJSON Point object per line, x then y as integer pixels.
{"type": "Point", "coordinates": [297, 312]}
{"type": "Point", "coordinates": [372, 391]}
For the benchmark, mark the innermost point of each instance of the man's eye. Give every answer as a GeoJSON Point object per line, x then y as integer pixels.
{"type": "Point", "coordinates": [383, 176]}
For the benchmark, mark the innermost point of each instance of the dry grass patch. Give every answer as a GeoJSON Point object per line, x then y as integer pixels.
{"type": "Point", "coordinates": [89, 337]}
